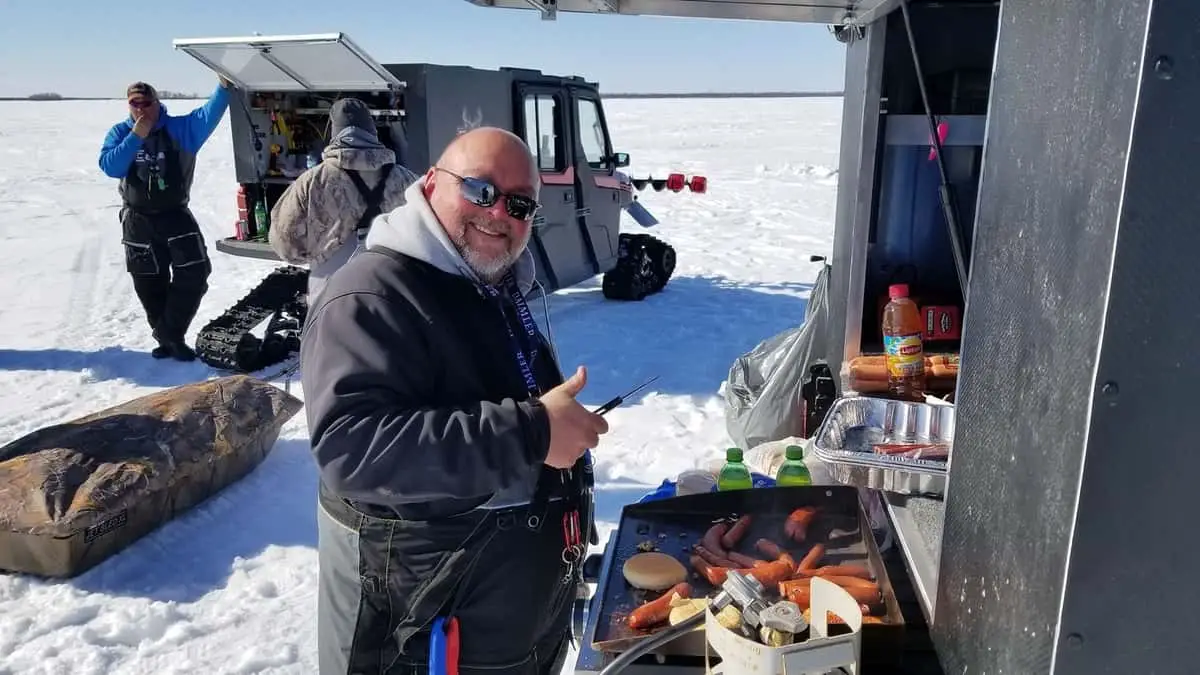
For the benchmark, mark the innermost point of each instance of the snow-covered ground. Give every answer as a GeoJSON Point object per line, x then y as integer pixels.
{"type": "Point", "coordinates": [230, 587]}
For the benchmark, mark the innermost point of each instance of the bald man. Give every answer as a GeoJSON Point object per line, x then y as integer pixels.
{"type": "Point", "coordinates": [451, 451]}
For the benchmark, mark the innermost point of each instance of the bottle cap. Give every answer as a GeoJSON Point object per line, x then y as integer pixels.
{"type": "Point", "coordinates": [793, 452]}
{"type": "Point", "coordinates": [898, 291]}
{"type": "Point", "coordinates": [733, 455]}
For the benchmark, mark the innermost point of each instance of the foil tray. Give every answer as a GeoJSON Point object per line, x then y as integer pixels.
{"type": "Point", "coordinates": [854, 424]}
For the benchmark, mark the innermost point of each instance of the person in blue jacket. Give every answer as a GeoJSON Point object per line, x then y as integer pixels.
{"type": "Point", "coordinates": [154, 156]}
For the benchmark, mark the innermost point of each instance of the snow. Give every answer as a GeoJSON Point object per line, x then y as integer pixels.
{"type": "Point", "coordinates": [230, 587]}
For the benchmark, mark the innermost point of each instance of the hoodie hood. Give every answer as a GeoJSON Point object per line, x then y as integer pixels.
{"type": "Point", "coordinates": [358, 150]}
{"type": "Point", "coordinates": [414, 230]}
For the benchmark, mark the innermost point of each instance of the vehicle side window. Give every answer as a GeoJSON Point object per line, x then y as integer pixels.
{"type": "Point", "coordinates": [591, 132]}
{"type": "Point", "coordinates": [543, 122]}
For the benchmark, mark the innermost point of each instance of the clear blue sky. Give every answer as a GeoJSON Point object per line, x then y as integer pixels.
{"type": "Point", "coordinates": [93, 48]}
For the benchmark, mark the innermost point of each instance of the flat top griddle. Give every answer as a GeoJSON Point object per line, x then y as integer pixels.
{"type": "Point", "coordinates": [673, 526]}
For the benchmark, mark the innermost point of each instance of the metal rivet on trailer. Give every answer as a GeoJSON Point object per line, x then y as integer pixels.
{"type": "Point", "coordinates": [1110, 389]}
{"type": "Point", "coordinates": [533, 522]}
{"type": "Point", "coordinates": [1074, 640]}
{"type": "Point", "coordinates": [1164, 68]}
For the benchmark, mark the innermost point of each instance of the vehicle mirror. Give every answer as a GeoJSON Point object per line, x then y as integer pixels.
{"type": "Point", "coordinates": [620, 159]}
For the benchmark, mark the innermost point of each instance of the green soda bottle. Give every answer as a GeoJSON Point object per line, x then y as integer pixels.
{"type": "Point", "coordinates": [793, 471]}
{"type": "Point", "coordinates": [262, 218]}
{"type": "Point", "coordinates": [734, 475]}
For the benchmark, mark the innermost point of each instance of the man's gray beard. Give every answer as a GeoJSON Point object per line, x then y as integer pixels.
{"type": "Point", "coordinates": [490, 271]}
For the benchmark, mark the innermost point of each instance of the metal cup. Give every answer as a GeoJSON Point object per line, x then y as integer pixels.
{"type": "Point", "coordinates": [901, 422]}
{"type": "Point", "coordinates": [941, 428]}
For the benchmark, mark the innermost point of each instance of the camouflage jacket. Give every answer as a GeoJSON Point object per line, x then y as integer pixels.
{"type": "Point", "coordinates": [318, 212]}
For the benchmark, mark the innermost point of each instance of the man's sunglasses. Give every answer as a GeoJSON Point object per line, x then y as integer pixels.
{"type": "Point", "coordinates": [140, 103]}
{"type": "Point", "coordinates": [482, 193]}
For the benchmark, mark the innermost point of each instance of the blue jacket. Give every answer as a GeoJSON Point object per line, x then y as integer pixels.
{"type": "Point", "coordinates": [190, 131]}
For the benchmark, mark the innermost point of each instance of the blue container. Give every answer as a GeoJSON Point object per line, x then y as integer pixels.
{"type": "Point", "coordinates": [667, 489]}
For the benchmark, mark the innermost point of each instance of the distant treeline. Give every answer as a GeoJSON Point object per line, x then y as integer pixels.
{"type": "Point", "coordinates": [730, 94]}
{"type": "Point", "coordinates": [166, 95]}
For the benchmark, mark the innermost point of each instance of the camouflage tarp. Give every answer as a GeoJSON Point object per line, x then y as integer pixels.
{"type": "Point", "coordinates": [73, 494]}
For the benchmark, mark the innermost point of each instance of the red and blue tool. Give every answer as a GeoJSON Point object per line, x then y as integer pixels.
{"type": "Point", "coordinates": [443, 647]}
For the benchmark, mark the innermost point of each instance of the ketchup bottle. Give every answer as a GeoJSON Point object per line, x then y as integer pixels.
{"type": "Point", "coordinates": [904, 352]}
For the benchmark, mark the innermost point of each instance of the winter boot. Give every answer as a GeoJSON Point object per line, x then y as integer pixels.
{"type": "Point", "coordinates": [181, 352]}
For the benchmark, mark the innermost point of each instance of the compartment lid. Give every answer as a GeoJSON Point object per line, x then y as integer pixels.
{"type": "Point", "coordinates": [318, 62]}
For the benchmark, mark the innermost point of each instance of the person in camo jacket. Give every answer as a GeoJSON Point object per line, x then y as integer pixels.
{"type": "Point", "coordinates": [324, 215]}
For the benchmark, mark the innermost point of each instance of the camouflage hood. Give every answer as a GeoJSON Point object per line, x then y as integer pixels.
{"type": "Point", "coordinates": [357, 149]}
{"type": "Point", "coordinates": [316, 217]}
{"type": "Point", "coordinates": [414, 230]}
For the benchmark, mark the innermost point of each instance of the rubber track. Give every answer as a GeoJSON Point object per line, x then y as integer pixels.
{"type": "Point", "coordinates": [644, 266]}
{"type": "Point", "coordinates": [226, 342]}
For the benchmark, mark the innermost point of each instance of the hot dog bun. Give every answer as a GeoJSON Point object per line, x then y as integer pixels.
{"type": "Point", "coordinates": [653, 571]}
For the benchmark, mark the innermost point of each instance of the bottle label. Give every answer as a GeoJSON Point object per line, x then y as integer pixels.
{"type": "Point", "coordinates": [905, 355]}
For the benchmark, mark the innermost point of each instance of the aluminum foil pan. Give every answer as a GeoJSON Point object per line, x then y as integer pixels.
{"type": "Point", "coordinates": [854, 424]}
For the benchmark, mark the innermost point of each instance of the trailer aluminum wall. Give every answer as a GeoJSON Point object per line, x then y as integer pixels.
{"type": "Point", "coordinates": [1067, 545]}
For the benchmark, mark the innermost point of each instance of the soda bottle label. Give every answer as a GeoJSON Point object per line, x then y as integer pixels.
{"type": "Point", "coordinates": [905, 356]}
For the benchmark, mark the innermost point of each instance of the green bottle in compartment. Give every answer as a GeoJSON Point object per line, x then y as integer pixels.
{"type": "Point", "coordinates": [261, 218]}
{"type": "Point", "coordinates": [793, 471]}
{"type": "Point", "coordinates": [734, 475]}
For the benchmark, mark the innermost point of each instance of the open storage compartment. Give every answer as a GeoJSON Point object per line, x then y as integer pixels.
{"type": "Point", "coordinates": [280, 120]}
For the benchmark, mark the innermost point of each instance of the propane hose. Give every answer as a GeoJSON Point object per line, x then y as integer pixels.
{"type": "Point", "coordinates": [650, 644]}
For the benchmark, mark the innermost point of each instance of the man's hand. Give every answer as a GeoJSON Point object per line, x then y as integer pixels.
{"type": "Point", "coordinates": [142, 123]}
{"type": "Point", "coordinates": [573, 429]}
{"type": "Point", "coordinates": [224, 82]}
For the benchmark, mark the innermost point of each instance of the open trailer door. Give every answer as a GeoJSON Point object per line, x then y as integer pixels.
{"type": "Point", "coordinates": [834, 12]}
{"type": "Point", "coordinates": [291, 63]}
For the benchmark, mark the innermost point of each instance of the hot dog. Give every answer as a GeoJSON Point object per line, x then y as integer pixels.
{"type": "Point", "coordinates": [796, 527]}
{"type": "Point", "coordinates": [810, 560]}
{"type": "Point", "coordinates": [768, 548]}
{"type": "Point", "coordinates": [866, 368]}
{"type": "Point", "coordinates": [773, 573]}
{"type": "Point", "coordinates": [837, 571]}
{"type": "Point", "coordinates": [767, 573]}
{"type": "Point", "coordinates": [712, 558]}
{"type": "Point", "coordinates": [853, 582]}
{"type": "Point", "coordinates": [733, 536]}
{"type": "Point", "coordinates": [658, 610]}
{"type": "Point", "coordinates": [866, 596]}
{"type": "Point", "coordinates": [742, 560]}
{"type": "Point", "coordinates": [799, 591]}
{"type": "Point", "coordinates": [712, 573]}
{"type": "Point", "coordinates": [712, 538]}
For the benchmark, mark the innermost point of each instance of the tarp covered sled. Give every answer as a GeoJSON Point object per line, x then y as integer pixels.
{"type": "Point", "coordinates": [73, 494]}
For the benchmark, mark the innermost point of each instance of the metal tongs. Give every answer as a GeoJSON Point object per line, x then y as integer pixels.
{"type": "Point", "coordinates": [618, 400]}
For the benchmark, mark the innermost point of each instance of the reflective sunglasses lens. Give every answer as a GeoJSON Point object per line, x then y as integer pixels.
{"type": "Point", "coordinates": [521, 208]}
{"type": "Point", "coordinates": [479, 192]}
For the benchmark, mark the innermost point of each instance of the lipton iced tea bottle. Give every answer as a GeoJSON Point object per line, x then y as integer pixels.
{"type": "Point", "coordinates": [902, 329]}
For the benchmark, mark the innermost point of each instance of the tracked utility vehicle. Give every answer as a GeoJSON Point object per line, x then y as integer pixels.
{"type": "Point", "coordinates": [279, 121]}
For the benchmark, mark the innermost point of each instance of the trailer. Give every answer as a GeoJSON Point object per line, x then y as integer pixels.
{"type": "Point", "coordinates": [279, 120]}
{"type": "Point", "coordinates": [1038, 158]}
